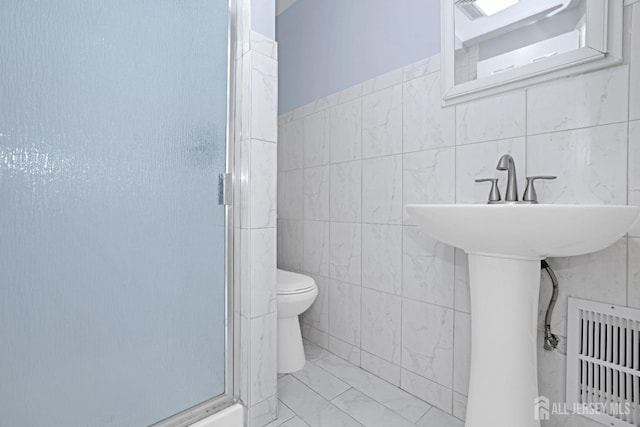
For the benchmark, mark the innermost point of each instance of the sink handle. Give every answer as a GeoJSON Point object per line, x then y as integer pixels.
{"type": "Point", "coordinates": [530, 195]}
{"type": "Point", "coordinates": [494, 194]}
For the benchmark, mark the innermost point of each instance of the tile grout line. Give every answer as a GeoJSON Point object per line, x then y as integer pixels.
{"type": "Point", "coordinates": [387, 293]}
{"type": "Point", "coordinates": [444, 147]}
{"type": "Point", "coordinates": [627, 196]}
{"type": "Point", "coordinates": [321, 397]}
{"type": "Point", "coordinates": [376, 402]}
{"type": "Point", "coordinates": [330, 283]}
{"type": "Point", "coordinates": [280, 402]}
{"type": "Point", "coordinates": [302, 201]}
{"type": "Point", "coordinates": [526, 132]}
{"type": "Point", "coordinates": [248, 65]}
{"type": "Point", "coordinates": [402, 135]}
{"type": "Point", "coordinates": [364, 391]}
{"type": "Point", "coordinates": [629, 76]}
{"type": "Point", "coordinates": [455, 200]}
{"type": "Point", "coordinates": [359, 348]}
{"type": "Point", "coordinates": [349, 389]}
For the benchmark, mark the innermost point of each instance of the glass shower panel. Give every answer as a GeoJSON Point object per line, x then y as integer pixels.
{"type": "Point", "coordinates": [112, 136]}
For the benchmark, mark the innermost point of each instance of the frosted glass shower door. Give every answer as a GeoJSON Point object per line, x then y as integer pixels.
{"type": "Point", "coordinates": [113, 118]}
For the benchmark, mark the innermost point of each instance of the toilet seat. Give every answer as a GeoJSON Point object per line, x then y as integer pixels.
{"type": "Point", "coordinates": [290, 283]}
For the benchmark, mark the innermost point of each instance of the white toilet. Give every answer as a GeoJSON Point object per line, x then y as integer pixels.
{"type": "Point", "coordinates": [296, 293]}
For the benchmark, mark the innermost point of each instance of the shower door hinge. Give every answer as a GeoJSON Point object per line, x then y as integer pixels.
{"type": "Point", "coordinates": [225, 189]}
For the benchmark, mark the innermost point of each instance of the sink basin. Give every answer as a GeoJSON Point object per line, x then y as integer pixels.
{"type": "Point", "coordinates": [505, 244]}
{"type": "Point", "coordinates": [525, 231]}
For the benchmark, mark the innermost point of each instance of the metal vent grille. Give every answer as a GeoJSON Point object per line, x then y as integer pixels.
{"type": "Point", "coordinates": [469, 8]}
{"type": "Point", "coordinates": [603, 362]}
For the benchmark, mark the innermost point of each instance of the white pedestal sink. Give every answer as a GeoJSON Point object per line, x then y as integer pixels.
{"type": "Point", "coordinates": [505, 244]}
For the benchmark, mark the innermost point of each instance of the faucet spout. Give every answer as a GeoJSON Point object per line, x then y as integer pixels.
{"type": "Point", "coordinates": [506, 163]}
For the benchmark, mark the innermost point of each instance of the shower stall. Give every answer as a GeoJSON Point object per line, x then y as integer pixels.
{"type": "Point", "coordinates": [115, 285]}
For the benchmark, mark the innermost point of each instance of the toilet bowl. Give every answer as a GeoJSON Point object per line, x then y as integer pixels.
{"type": "Point", "coordinates": [296, 293]}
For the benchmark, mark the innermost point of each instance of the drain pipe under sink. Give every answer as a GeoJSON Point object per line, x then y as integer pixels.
{"type": "Point", "coordinates": [550, 339]}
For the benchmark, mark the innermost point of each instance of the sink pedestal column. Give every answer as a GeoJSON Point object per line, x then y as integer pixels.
{"type": "Point", "coordinates": [504, 312]}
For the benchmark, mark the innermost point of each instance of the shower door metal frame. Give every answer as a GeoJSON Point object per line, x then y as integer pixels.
{"type": "Point", "coordinates": [231, 333]}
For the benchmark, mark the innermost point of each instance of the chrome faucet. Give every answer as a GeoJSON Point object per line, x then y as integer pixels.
{"type": "Point", "coordinates": [506, 163]}
{"type": "Point", "coordinates": [529, 197]}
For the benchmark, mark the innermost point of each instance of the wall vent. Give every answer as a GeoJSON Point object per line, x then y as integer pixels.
{"type": "Point", "coordinates": [603, 362]}
{"type": "Point", "coordinates": [470, 9]}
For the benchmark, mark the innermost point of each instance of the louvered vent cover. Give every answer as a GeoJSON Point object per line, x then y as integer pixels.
{"type": "Point", "coordinates": [469, 8]}
{"type": "Point", "coordinates": [603, 362]}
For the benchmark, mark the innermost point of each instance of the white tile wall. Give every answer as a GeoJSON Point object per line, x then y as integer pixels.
{"type": "Point", "coordinates": [430, 391]}
{"type": "Point", "coordinates": [345, 201]}
{"type": "Point", "coordinates": [587, 105]}
{"type": "Point", "coordinates": [290, 191]}
{"type": "Point", "coordinates": [290, 147]}
{"type": "Point", "coordinates": [349, 94]}
{"type": "Point", "coordinates": [382, 122]}
{"type": "Point", "coordinates": [262, 274]}
{"type": "Point", "coordinates": [427, 341]}
{"type": "Point", "coordinates": [317, 336]}
{"type": "Point", "coordinates": [428, 177]}
{"type": "Point", "coordinates": [426, 124]}
{"type": "Point", "coordinates": [346, 131]}
{"type": "Point", "coordinates": [395, 301]}
{"type": "Point", "coordinates": [634, 92]}
{"type": "Point", "coordinates": [348, 352]}
{"type": "Point", "coordinates": [634, 167]}
{"type": "Point", "coordinates": [462, 352]}
{"type": "Point", "coordinates": [634, 273]}
{"type": "Point", "coordinates": [591, 164]}
{"type": "Point", "coordinates": [421, 68]}
{"type": "Point", "coordinates": [316, 139]}
{"type": "Point", "coordinates": [380, 367]}
{"type": "Point", "coordinates": [344, 311]}
{"type": "Point", "coordinates": [345, 252]}
{"type": "Point", "coordinates": [381, 313]}
{"type": "Point", "coordinates": [381, 82]}
{"type": "Point", "coordinates": [263, 184]}
{"type": "Point", "coordinates": [459, 405]}
{"type": "Point", "coordinates": [316, 192]}
{"type": "Point", "coordinates": [382, 257]}
{"type": "Point", "coordinates": [427, 268]}
{"type": "Point", "coordinates": [262, 413]}
{"type": "Point", "coordinates": [382, 190]}
{"type": "Point", "coordinates": [490, 119]}
{"type": "Point", "coordinates": [290, 244]}
{"type": "Point", "coordinates": [256, 200]}
{"type": "Point", "coordinates": [262, 376]}
{"type": "Point", "coordinates": [316, 248]}
{"type": "Point", "coordinates": [264, 90]}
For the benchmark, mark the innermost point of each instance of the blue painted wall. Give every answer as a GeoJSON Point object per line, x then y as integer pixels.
{"type": "Point", "coordinates": [263, 17]}
{"type": "Point", "coordinates": [328, 45]}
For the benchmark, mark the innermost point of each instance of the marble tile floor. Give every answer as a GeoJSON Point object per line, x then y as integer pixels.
{"type": "Point", "coordinates": [331, 392]}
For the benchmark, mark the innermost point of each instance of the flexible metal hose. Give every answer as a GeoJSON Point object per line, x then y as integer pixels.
{"type": "Point", "coordinates": [550, 339]}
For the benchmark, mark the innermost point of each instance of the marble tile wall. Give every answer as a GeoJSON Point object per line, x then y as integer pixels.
{"type": "Point", "coordinates": [255, 236]}
{"type": "Point", "coordinates": [396, 302]}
